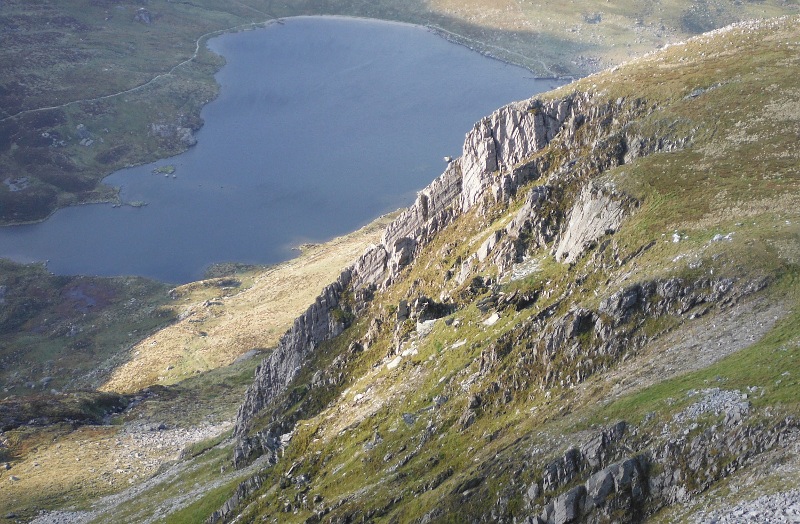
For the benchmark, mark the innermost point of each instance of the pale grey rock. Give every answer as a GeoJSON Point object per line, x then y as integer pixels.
{"type": "Point", "coordinates": [503, 139]}
{"type": "Point", "coordinates": [466, 269]}
{"type": "Point", "coordinates": [620, 304]}
{"type": "Point", "coordinates": [624, 478]}
{"type": "Point", "coordinates": [499, 156]}
{"type": "Point", "coordinates": [600, 486]}
{"type": "Point", "coordinates": [403, 311]}
{"type": "Point", "coordinates": [144, 16]}
{"type": "Point", "coordinates": [596, 213]}
{"type": "Point", "coordinates": [402, 253]}
{"type": "Point", "coordinates": [488, 244]}
{"type": "Point", "coordinates": [243, 490]}
{"type": "Point", "coordinates": [562, 470]}
{"type": "Point", "coordinates": [768, 509]}
{"type": "Point", "coordinates": [186, 136]}
{"type": "Point", "coordinates": [430, 212]}
{"type": "Point", "coordinates": [731, 403]}
{"type": "Point", "coordinates": [596, 450]}
{"type": "Point", "coordinates": [83, 132]}
{"type": "Point", "coordinates": [529, 212]}
{"type": "Point", "coordinates": [311, 328]}
{"type": "Point", "coordinates": [161, 130]}
{"type": "Point", "coordinates": [567, 507]}
{"type": "Point", "coordinates": [370, 268]}
{"type": "Point", "coordinates": [533, 492]}
{"type": "Point", "coordinates": [423, 309]}
{"type": "Point", "coordinates": [537, 228]}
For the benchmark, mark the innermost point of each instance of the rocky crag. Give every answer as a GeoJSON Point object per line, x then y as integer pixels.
{"type": "Point", "coordinates": [520, 281]}
{"type": "Point", "coordinates": [499, 156]}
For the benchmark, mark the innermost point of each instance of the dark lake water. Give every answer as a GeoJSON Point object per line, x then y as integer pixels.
{"type": "Point", "coordinates": [322, 124]}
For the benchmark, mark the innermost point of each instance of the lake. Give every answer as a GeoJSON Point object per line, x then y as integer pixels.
{"type": "Point", "coordinates": [322, 124]}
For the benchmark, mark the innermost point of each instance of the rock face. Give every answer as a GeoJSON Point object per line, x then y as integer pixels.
{"type": "Point", "coordinates": [597, 212]}
{"type": "Point", "coordinates": [507, 137]}
{"type": "Point", "coordinates": [488, 401]}
{"type": "Point", "coordinates": [630, 487]}
{"type": "Point", "coordinates": [180, 133]}
{"type": "Point", "coordinates": [243, 490]}
{"type": "Point", "coordinates": [317, 324]}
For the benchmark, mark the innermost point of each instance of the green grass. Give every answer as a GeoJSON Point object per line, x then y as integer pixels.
{"type": "Point", "coordinates": [67, 327]}
{"type": "Point", "coordinates": [200, 447]}
{"type": "Point", "coordinates": [202, 509]}
{"type": "Point", "coordinates": [87, 407]}
{"type": "Point", "coordinates": [694, 190]}
{"type": "Point", "coordinates": [719, 184]}
{"type": "Point", "coordinates": [199, 473]}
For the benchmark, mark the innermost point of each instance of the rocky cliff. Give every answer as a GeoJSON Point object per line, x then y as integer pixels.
{"type": "Point", "coordinates": [500, 154]}
{"type": "Point", "coordinates": [574, 246]}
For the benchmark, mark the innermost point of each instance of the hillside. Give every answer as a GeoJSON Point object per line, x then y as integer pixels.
{"type": "Point", "coordinates": [591, 315]}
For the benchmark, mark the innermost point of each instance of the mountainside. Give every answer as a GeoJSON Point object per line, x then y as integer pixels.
{"type": "Point", "coordinates": [172, 364]}
{"type": "Point", "coordinates": [590, 315]}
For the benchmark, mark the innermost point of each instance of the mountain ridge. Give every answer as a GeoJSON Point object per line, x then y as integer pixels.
{"type": "Point", "coordinates": [548, 158]}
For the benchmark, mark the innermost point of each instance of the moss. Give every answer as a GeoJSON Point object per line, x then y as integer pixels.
{"type": "Point", "coordinates": [202, 446]}
{"type": "Point", "coordinates": [341, 316]}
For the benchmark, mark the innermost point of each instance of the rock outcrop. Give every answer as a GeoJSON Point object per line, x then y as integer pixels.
{"type": "Point", "coordinates": [634, 486]}
{"type": "Point", "coordinates": [317, 324]}
{"type": "Point", "coordinates": [243, 490]}
{"type": "Point", "coordinates": [551, 302]}
{"type": "Point", "coordinates": [507, 137]}
{"type": "Point", "coordinates": [597, 212]}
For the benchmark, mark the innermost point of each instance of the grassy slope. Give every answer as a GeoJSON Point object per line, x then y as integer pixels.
{"type": "Point", "coordinates": [215, 329]}
{"type": "Point", "coordinates": [56, 332]}
{"type": "Point", "coordinates": [73, 56]}
{"type": "Point", "coordinates": [121, 334]}
{"type": "Point", "coordinates": [63, 466]}
{"type": "Point", "coordinates": [740, 175]}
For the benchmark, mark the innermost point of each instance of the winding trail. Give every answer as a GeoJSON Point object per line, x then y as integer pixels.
{"type": "Point", "coordinates": [198, 42]}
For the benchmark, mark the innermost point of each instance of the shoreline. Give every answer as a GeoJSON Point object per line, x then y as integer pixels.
{"type": "Point", "coordinates": [116, 199]}
{"type": "Point", "coordinates": [445, 34]}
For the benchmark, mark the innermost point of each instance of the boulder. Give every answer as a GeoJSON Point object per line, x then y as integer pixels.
{"type": "Point", "coordinates": [144, 16]}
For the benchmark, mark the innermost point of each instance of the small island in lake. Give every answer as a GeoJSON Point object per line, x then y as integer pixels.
{"type": "Point", "coordinates": [164, 170]}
